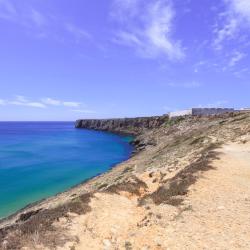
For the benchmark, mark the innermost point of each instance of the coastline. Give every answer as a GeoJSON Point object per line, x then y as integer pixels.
{"type": "Point", "coordinates": [155, 184]}
{"type": "Point", "coordinates": [44, 200]}
{"type": "Point", "coordinates": [137, 142]}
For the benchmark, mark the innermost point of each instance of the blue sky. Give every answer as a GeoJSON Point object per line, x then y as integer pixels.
{"type": "Point", "coordinates": [63, 60]}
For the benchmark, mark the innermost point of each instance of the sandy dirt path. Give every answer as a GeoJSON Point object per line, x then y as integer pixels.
{"type": "Point", "coordinates": [220, 206]}
{"type": "Point", "coordinates": [216, 214]}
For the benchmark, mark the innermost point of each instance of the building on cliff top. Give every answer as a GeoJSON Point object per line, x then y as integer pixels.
{"type": "Point", "coordinates": [245, 110]}
{"type": "Point", "coordinates": [201, 112]}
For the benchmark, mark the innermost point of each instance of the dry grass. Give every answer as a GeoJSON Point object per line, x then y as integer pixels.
{"type": "Point", "coordinates": [172, 192]}
{"type": "Point", "coordinates": [36, 227]}
{"type": "Point", "coordinates": [132, 186]}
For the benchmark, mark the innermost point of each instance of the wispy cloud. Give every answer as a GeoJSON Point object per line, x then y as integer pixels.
{"type": "Point", "coordinates": [237, 56]}
{"type": "Point", "coordinates": [77, 32]}
{"type": "Point", "coordinates": [20, 100]}
{"type": "Point", "coordinates": [72, 104]}
{"type": "Point", "coordinates": [29, 104]}
{"type": "Point", "coordinates": [188, 85]}
{"type": "Point", "coordinates": [232, 20]}
{"type": "Point", "coordinates": [50, 101]}
{"type": "Point", "coordinates": [37, 17]}
{"type": "Point", "coordinates": [39, 23]}
{"type": "Point", "coordinates": [242, 72]}
{"type": "Point", "coordinates": [241, 7]}
{"type": "Point", "coordinates": [23, 101]}
{"type": "Point", "coordinates": [226, 32]}
{"type": "Point", "coordinates": [2, 102]}
{"type": "Point", "coordinates": [56, 102]}
{"type": "Point", "coordinates": [23, 15]}
{"type": "Point", "coordinates": [147, 27]}
{"type": "Point", "coordinates": [199, 65]}
{"type": "Point", "coordinates": [7, 10]}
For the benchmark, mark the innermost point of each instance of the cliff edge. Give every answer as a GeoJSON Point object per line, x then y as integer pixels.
{"type": "Point", "coordinates": [189, 189]}
{"type": "Point", "coordinates": [131, 126]}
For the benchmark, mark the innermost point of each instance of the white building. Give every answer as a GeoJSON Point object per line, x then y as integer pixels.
{"type": "Point", "coordinates": [245, 109]}
{"type": "Point", "coordinates": [201, 112]}
{"type": "Point", "coordinates": [180, 113]}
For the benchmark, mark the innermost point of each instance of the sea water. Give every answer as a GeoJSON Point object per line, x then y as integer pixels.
{"type": "Point", "coordinates": [41, 159]}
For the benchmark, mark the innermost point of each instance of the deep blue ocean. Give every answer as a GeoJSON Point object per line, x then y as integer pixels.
{"type": "Point", "coordinates": [40, 159]}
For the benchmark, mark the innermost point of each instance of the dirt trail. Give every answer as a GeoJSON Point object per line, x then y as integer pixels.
{"type": "Point", "coordinates": [215, 216]}
{"type": "Point", "coordinates": [220, 202]}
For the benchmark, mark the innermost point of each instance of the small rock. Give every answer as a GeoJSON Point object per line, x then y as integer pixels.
{"type": "Point", "coordinates": [220, 207]}
{"type": "Point", "coordinates": [155, 180]}
{"type": "Point", "coordinates": [70, 214]}
{"type": "Point", "coordinates": [63, 220]}
{"type": "Point", "coordinates": [106, 243]}
{"type": "Point", "coordinates": [151, 174]}
{"type": "Point", "coordinates": [5, 243]}
{"type": "Point", "coordinates": [128, 245]}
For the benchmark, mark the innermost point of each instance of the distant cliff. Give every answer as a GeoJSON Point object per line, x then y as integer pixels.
{"type": "Point", "coordinates": [133, 126]}
{"type": "Point", "coordinates": [182, 166]}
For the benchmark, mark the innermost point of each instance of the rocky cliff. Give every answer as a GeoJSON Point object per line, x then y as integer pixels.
{"type": "Point", "coordinates": [190, 190]}
{"type": "Point", "coordinates": [132, 126]}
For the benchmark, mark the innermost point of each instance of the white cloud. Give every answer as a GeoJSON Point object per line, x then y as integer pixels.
{"type": "Point", "coordinates": [40, 24]}
{"type": "Point", "coordinates": [55, 102]}
{"type": "Point", "coordinates": [28, 104]}
{"type": "Point", "coordinates": [127, 38]}
{"type": "Point", "coordinates": [7, 10]}
{"type": "Point", "coordinates": [37, 17]}
{"type": "Point", "coordinates": [199, 65]}
{"type": "Point", "coordinates": [236, 17]}
{"type": "Point", "coordinates": [50, 101]}
{"type": "Point", "coordinates": [188, 85]}
{"type": "Point", "coordinates": [237, 56]}
{"type": "Point", "coordinates": [72, 104]}
{"type": "Point", "coordinates": [241, 7]}
{"type": "Point", "coordinates": [20, 100]}
{"type": "Point", "coordinates": [23, 101]}
{"type": "Point", "coordinates": [244, 72]}
{"type": "Point", "coordinates": [147, 27]}
{"type": "Point", "coordinates": [77, 32]}
{"type": "Point", "coordinates": [226, 32]}
{"type": "Point", "coordinates": [35, 104]}
{"type": "Point", "coordinates": [23, 16]}
{"type": "Point", "coordinates": [2, 102]}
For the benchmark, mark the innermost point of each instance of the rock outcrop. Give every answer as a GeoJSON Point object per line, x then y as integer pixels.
{"type": "Point", "coordinates": [132, 126]}
{"type": "Point", "coordinates": [189, 189]}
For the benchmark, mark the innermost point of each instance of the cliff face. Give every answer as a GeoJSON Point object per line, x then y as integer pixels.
{"type": "Point", "coordinates": [167, 187]}
{"type": "Point", "coordinates": [133, 126]}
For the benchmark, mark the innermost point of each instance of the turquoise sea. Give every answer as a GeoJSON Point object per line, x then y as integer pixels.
{"type": "Point", "coordinates": [40, 159]}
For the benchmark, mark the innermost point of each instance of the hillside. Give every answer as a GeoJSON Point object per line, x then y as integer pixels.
{"type": "Point", "coordinates": [187, 187]}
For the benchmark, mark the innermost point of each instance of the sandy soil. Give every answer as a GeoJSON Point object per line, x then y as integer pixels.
{"type": "Point", "coordinates": [215, 214]}
{"type": "Point", "coordinates": [219, 217]}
